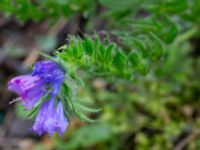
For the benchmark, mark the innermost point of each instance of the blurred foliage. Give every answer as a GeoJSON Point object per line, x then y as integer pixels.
{"type": "Point", "coordinates": [144, 74]}
{"type": "Point", "coordinates": [44, 9]}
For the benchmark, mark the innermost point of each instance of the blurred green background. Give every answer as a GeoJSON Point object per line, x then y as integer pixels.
{"type": "Point", "coordinates": [152, 107]}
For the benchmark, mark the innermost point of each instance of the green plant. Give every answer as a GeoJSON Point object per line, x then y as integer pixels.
{"type": "Point", "coordinates": [150, 79]}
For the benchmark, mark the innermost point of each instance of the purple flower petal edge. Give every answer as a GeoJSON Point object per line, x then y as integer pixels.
{"type": "Point", "coordinates": [50, 119]}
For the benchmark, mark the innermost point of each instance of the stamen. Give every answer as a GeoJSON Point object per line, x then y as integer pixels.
{"type": "Point", "coordinates": [15, 100]}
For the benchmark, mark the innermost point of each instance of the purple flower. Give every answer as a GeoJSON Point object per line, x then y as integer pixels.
{"type": "Point", "coordinates": [47, 76]}
{"type": "Point", "coordinates": [30, 89]}
{"type": "Point", "coordinates": [49, 72]}
{"type": "Point", "coordinates": [50, 119]}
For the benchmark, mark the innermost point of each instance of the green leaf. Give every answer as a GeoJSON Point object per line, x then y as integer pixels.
{"type": "Point", "coordinates": [88, 46]}
{"type": "Point", "coordinates": [119, 61]}
{"type": "Point", "coordinates": [83, 108]}
{"type": "Point", "coordinates": [134, 59]}
{"type": "Point", "coordinates": [98, 133]}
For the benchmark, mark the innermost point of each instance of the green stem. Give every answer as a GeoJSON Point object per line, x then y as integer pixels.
{"type": "Point", "coordinates": [186, 35]}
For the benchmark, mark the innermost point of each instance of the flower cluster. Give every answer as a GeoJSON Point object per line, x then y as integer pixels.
{"type": "Point", "coordinates": [46, 78]}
